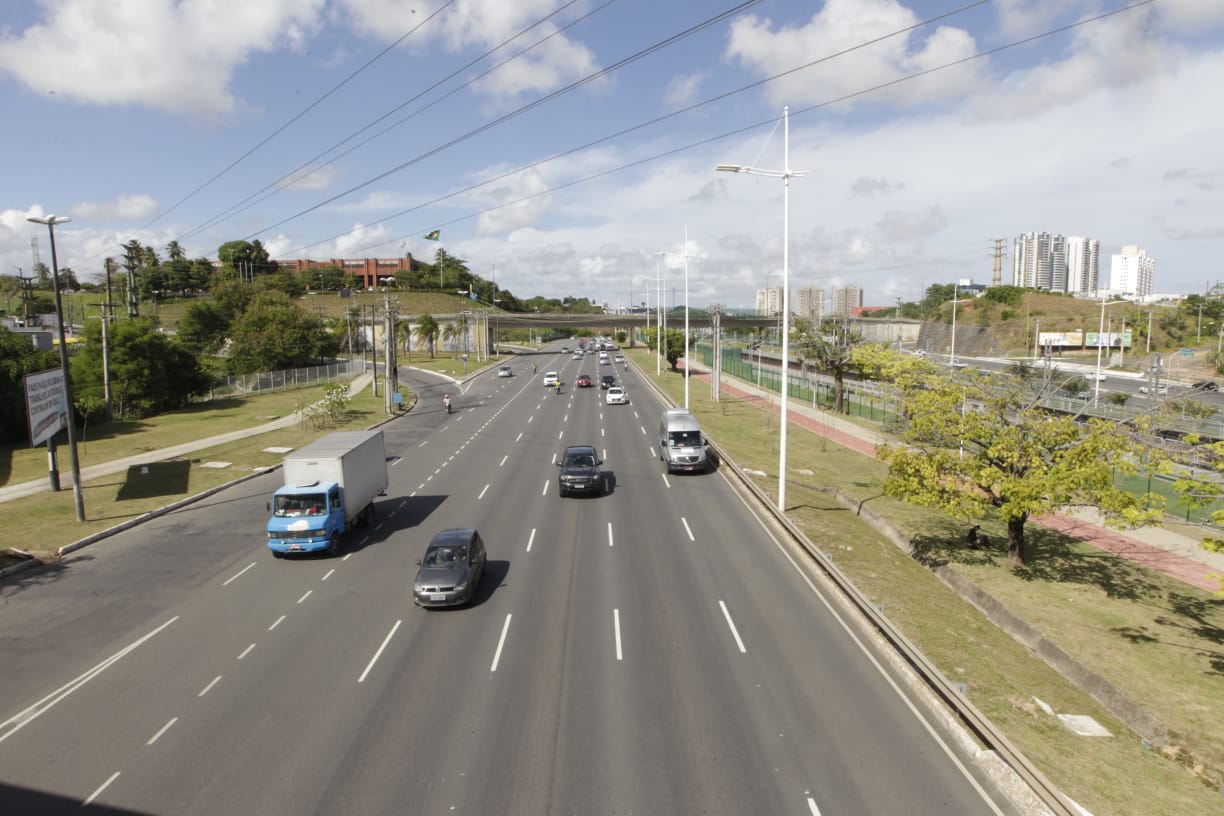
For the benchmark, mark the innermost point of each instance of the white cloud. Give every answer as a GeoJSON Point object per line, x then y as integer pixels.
{"type": "Point", "coordinates": [897, 225]}
{"type": "Point", "coordinates": [309, 179]}
{"type": "Point", "coordinates": [358, 238]}
{"type": "Point", "coordinates": [524, 200]}
{"type": "Point", "coordinates": [130, 207]}
{"type": "Point", "coordinates": [841, 24]}
{"type": "Point", "coordinates": [683, 90]}
{"type": "Point", "coordinates": [871, 187]}
{"type": "Point", "coordinates": [174, 56]}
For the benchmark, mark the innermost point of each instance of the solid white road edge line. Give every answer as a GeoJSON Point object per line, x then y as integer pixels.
{"type": "Point", "coordinates": [22, 718]}
{"type": "Point", "coordinates": [378, 654]}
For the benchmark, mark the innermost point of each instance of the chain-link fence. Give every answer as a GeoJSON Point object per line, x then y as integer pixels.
{"type": "Point", "coordinates": [287, 379]}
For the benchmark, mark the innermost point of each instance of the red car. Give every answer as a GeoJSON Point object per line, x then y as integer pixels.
{"type": "Point", "coordinates": [584, 381]}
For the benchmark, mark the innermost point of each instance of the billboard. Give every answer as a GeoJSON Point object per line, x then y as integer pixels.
{"type": "Point", "coordinates": [45, 405]}
{"type": "Point", "coordinates": [1108, 339]}
{"type": "Point", "coordinates": [1068, 339]}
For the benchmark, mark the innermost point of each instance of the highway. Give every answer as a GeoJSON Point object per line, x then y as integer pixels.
{"type": "Point", "coordinates": [652, 651]}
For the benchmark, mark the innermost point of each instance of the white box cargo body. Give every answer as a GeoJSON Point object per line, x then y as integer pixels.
{"type": "Point", "coordinates": [356, 460]}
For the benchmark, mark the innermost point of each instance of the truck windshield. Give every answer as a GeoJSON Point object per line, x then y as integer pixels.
{"type": "Point", "coordinates": [314, 504]}
{"type": "Point", "coordinates": [684, 439]}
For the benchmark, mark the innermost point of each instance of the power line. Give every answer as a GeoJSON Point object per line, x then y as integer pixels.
{"type": "Point", "coordinates": [272, 188]}
{"type": "Point", "coordinates": [302, 113]}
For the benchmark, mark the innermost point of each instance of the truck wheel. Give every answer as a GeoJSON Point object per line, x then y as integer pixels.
{"type": "Point", "coordinates": [333, 545]}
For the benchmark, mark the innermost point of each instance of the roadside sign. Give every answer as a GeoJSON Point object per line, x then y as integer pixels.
{"type": "Point", "coordinates": [45, 406]}
{"type": "Point", "coordinates": [1186, 352]}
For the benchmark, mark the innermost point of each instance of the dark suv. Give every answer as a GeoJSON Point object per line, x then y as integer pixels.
{"type": "Point", "coordinates": [607, 381]}
{"type": "Point", "coordinates": [580, 471]}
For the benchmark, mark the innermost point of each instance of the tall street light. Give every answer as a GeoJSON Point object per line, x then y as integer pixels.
{"type": "Point", "coordinates": [1096, 391]}
{"type": "Point", "coordinates": [785, 174]}
{"type": "Point", "coordinates": [51, 221]}
{"type": "Point", "coordinates": [661, 323]}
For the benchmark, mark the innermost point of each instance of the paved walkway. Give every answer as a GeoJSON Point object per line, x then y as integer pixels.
{"type": "Point", "coordinates": [17, 491]}
{"type": "Point", "coordinates": [1156, 547]}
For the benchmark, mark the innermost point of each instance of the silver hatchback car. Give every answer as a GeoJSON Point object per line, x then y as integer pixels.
{"type": "Point", "coordinates": [451, 569]}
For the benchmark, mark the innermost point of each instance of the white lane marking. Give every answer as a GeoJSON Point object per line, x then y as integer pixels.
{"type": "Point", "coordinates": [101, 788]}
{"type": "Point", "coordinates": [501, 641]}
{"type": "Point", "coordinates": [403, 503]}
{"type": "Point", "coordinates": [329, 574]}
{"type": "Point", "coordinates": [616, 627]}
{"type": "Point", "coordinates": [246, 651]}
{"type": "Point", "coordinates": [684, 521]}
{"type": "Point", "coordinates": [503, 461]}
{"type": "Point", "coordinates": [423, 444]}
{"type": "Point", "coordinates": [347, 557]}
{"type": "Point", "coordinates": [530, 419]}
{"type": "Point", "coordinates": [429, 479]}
{"type": "Point", "coordinates": [23, 718]}
{"type": "Point", "coordinates": [601, 432]}
{"type": "Point", "coordinates": [208, 688]}
{"type": "Point", "coordinates": [235, 577]}
{"type": "Point", "coordinates": [163, 730]}
{"type": "Point", "coordinates": [378, 654]}
{"type": "Point", "coordinates": [307, 595]}
{"type": "Point", "coordinates": [666, 481]}
{"type": "Point", "coordinates": [554, 458]}
{"type": "Point", "coordinates": [815, 811]}
{"type": "Point", "coordinates": [609, 534]}
{"type": "Point", "coordinates": [530, 539]}
{"type": "Point", "coordinates": [544, 492]}
{"type": "Point", "coordinates": [605, 454]}
{"type": "Point", "coordinates": [635, 414]}
{"type": "Point", "coordinates": [520, 436]}
{"type": "Point", "coordinates": [731, 624]}
{"type": "Point", "coordinates": [277, 623]}
{"type": "Point", "coordinates": [642, 428]}
{"type": "Point", "coordinates": [566, 418]}
{"type": "Point", "coordinates": [560, 434]}
{"type": "Point", "coordinates": [413, 493]}
{"type": "Point", "coordinates": [481, 496]}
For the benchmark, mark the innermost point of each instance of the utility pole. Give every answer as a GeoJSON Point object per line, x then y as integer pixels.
{"type": "Point", "coordinates": [108, 264]}
{"type": "Point", "coordinates": [996, 274]}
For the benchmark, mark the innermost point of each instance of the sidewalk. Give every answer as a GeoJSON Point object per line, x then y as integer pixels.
{"type": "Point", "coordinates": [17, 491]}
{"type": "Point", "coordinates": [1156, 547]}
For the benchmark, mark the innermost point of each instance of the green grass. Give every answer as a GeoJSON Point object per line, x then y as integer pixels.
{"type": "Point", "coordinates": [1100, 608]}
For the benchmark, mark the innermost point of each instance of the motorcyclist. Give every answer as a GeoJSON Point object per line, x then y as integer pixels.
{"type": "Point", "coordinates": [533, 368]}
{"type": "Point", "coordinates": [558, 386]}
{"type": "Point", "coordinates": [446, 402]}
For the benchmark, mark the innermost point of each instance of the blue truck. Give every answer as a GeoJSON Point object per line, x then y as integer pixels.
{"type": "Point", "coordinates": [330, 486]}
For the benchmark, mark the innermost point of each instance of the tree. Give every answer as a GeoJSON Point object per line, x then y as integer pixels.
{"type": "Point", "coordinates": [426, 332]}
{"type": "Point", "coordinates": [18, 357]}
{"type": "Point", "coordinates": [975, 443]}
{"type": "Point", "coordinates": [830, 350]}
{"type": "Point", "coordinates": [203, 326]}
{"type": "Point", "coordinates": [175, 250]}
{"type": "Point", "coordinates": [274, 333]}
{"type": "Point", "coordinates": [149, 371]}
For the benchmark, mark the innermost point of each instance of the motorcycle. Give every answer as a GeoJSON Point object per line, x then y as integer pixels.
{"type": "Point", "coordinates": [558, 388]}
{"type": "Point", "coordinates": [446, 402]}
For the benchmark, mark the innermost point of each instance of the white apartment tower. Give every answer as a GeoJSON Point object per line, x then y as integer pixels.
{"type": "Point", "coordinates": [1043, 260]}
{"type": "Point", "coordinates": [1083, 260]}
{"type": "Point", "coordinates": [846, 300]}
{"type": "Point", "coordinates": [1131, 272]}
{"type": "Point", "coordinates": [769, 301]}
{"type": "Point", "coordinates": [811, 303]}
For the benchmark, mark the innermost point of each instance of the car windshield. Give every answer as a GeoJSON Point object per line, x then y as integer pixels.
{"type": "Point", "coordinates": [580, 460]}
{"type": "Point", "coordinates": [684, 439]}
{"type": "Point", "coordinates": [314, 504]}
{"type": "Point", "coordinates": [445, 556]}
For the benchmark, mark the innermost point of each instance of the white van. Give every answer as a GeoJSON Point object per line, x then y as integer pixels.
{"type": "Point", "coordinates": [681, 443]}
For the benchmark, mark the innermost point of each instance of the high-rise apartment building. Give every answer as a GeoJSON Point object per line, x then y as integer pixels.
{"type": "Point", "coordinates": [1043, 260]}
{"type": "Point", "coordinates": [769, 301]}
{"type": "Point", "coordinates": [811, 303]}
{"type": "Point", "coordinates": [1131, 272]}
{"type": "Point", "coordinates": [846, 299]}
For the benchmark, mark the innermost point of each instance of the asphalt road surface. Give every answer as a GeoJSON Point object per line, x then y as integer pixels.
{"type": "Point", "coordinates": [651, 651]}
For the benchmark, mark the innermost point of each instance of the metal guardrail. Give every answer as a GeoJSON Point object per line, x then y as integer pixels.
{"type": "Point", "coordinates": [962, 708]}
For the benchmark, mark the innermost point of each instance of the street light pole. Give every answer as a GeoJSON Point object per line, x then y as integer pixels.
{"type": "Point", "coordinates": [51, 221]}
{"type": "Point", "coordinates": [785, 174]}
{"type": "Point", "coordinates": [1096, 391]}
{"type": "Point", "coordinates": [661, 323]}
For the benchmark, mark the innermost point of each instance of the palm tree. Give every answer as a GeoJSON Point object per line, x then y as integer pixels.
{"type": "Point", "coordinates": [175, 250]}
{"type": "Point", "coordinates": [456, 331]}
{"type": "Point", "coordinates": [426, 332]}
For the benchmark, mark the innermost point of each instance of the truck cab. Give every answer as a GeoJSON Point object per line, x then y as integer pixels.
{"type": "Point", "coordinates": [307, 518]}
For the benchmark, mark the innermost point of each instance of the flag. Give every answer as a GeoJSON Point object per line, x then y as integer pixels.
{"type": "Point", "coordinates": [433, 235]}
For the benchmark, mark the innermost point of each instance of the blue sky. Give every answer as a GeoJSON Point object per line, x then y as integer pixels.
{"type": "Point", "coordinates": [126, 115]}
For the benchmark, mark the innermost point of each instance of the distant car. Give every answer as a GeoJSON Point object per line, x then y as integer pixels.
{"type": "Point", "coordinates": [604, 359]}
{"type": "Point", "coordinates": [451, 569]}
{"type": "Point", "coordinates": [577, 355]}
{"type": "Point", "coordinates": [1160, 391]}
{"type": "Point", "coordinates": [1206, 385]}
{"type": "Point", "coordinates": [580, 471]}
{"type": "Point", "coordinates": [505, 371]}
{"type": "Point", "coordinates": [607, 381]}
{"type": "Point", "coordinates": [617, 396]}
{"type": "Point", "coordinates": [565, 349]}
{"type": "Point", "coordinates": [620, 358]}
{"type": "Point", "coordinates": [583, 381]}
{"type": "Point", "coordinates": [1095, 376]}
{"type": "Point", "coordinates": [550, 379]}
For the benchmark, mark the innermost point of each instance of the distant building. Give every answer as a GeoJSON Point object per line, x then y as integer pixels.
{"type": "Point", "coordinates": [366, 270]}
{"type": "Point", "coordinates": [1132, 271]}
{"type": "Point", "coordinates": [846, 299]}
{"type": "Point", "coordinates": [811, 304]}
{"type": "Point", "coordinates": [769, 301]}
{"type": "Point", "coordinates": [1056, 263]}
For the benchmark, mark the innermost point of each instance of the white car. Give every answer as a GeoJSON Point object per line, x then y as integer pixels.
{"type": "Point", "coordinates": [1097, 376]}
{"type": "Point", "coordinates": [617, 396]}
{"type": "Point", "coordinates": [1161, 390]}
{"type": "Point", "coordinates": [550, 379]}
{"type": "Point", "coordinates": [505, 371]}
{"type": "Point", "coordinates": [620, 358]}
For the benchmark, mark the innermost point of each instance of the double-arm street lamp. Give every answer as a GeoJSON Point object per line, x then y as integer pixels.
{"type": "Point", "coordinates": [51, 221]}
{"type": "Point", "coordinates": [785, 174]}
